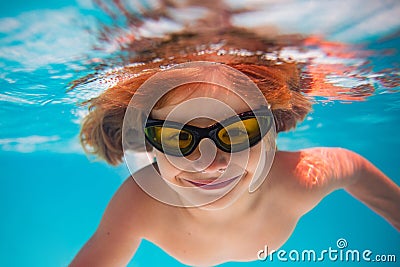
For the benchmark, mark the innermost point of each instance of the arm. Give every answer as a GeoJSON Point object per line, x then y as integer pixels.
{"type": "Point", "coordinates": [118, 235]}
{"type": "Point", "coordinates": [377, 191]}
{"type": "Point", "coordinates": [323, 170]}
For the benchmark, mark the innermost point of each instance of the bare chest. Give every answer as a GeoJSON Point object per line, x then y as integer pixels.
{"type": "Point", "coordinates": [207, 244]}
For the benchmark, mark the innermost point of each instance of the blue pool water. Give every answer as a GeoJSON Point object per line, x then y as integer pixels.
{"type": "Point", "coordinates": [53, 196]}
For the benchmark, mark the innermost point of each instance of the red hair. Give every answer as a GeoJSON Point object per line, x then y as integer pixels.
{"type": "Point", "coordinates": [101, 132]}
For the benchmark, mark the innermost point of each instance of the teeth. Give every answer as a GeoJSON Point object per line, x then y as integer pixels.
{"type": "Point", "coordinates": [219, 171]}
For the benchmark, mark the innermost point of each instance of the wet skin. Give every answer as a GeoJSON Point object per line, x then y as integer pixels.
{"type": "Point", "coordinates": [235, 230]}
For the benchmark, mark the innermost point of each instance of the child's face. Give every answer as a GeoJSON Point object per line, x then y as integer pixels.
{"type": "Point", "coordinates": [207, 162]}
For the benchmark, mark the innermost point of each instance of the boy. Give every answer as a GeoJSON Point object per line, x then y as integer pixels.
{"type": "Point", "coordinates": [198, 199]}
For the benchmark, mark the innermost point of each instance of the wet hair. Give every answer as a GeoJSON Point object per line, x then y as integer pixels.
{"type": "Point", "coordinates": [279, 82]}
{"type": "Point", "coordinates": [101, 132]}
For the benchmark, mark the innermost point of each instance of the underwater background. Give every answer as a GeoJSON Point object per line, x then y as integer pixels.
{"type": "Point", "coordinates": [53, 195]}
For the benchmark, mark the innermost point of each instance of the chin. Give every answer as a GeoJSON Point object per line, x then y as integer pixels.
{"type": "Point", "coordinates": [228, 199]}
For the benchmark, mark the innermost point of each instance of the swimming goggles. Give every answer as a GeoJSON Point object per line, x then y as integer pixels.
{"type": "Point", "coordinates": [233, 134]}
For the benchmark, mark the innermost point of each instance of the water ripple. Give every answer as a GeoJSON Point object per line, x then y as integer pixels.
{"type": "Point", "coordinates": [53, 59]}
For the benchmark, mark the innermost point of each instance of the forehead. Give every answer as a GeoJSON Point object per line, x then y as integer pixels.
{"type": "Point", "coordinates": [199, 100]}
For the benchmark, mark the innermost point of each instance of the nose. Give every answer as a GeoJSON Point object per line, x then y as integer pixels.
{"type": "Point", "coordinates": [208, 158]}
{"type": "Point", "coordinates": [219, 163]}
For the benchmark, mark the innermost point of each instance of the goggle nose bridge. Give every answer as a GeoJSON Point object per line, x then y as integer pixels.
{"type": "Point", "coordinates": [208, 132]}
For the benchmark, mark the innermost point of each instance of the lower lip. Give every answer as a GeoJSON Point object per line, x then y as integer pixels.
{"type": "Point", "coordinates": [212, 186]}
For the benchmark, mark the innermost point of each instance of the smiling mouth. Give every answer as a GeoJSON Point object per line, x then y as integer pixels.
{"type": "Point", "coordinates": [209, 184]}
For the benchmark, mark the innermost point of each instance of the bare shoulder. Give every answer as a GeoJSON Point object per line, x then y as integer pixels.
{"type": "Point", "coordinates": [308, 175]}
{"type": "Point", "coordinates": [320, 166]}
{"type": "Point", "coordinates": [331, 167]}
{"type": "Point", "coordinates": [128, 210]}
{"type": "Point", "coordinates": [125, 222]}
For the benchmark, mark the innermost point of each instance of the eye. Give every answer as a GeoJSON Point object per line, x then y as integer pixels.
{"type": "Point", "coordinates": [178, 136]}
{"type": "Point", "coordinates": [175, 138]}
{"type": "Point", "coordinates": [184, 136]}
{"type": "Point", "coordinates": [171, 137]}
{"type": "Point", "coordinates": [240, 132]}
{"type": "Point", "coordinates": [234, 132]}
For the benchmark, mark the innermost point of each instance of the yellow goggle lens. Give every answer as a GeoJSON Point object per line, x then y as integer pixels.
{"type": "Point", "coordinates": [170, 137]}
{"type": "Point", "coordinates": [239, 132]}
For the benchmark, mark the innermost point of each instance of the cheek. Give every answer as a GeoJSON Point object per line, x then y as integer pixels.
{"type": "Point", "coordinates": [167, 170]}
{"type": "Point", "coordinates": [249, 160]}
{"type": "Point", "coordinates": [253, 163]}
